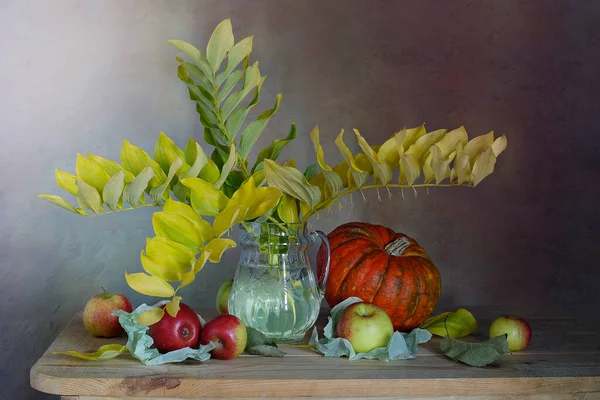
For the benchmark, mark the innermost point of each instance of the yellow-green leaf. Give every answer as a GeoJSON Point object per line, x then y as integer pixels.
{"type": "Point", "coordinates": [105, 352]}
{"type": "Point", "coordinates": [245, 195]}
{"type": "Point", "coordinates": [59, 201]}
{"type": "Point", "coordinates": [88, 197]}
{"type": "Point", "coordinates": [287, 209]}
{"type": "Point", "coordinates": [202, 259]}
{"type": "Point", "coordinates": [188, 277]}
{"type": "Point", "coordinates": [210, 172]}
{"type": "Point", "coordinates": [150, 317]}
{"type": "Point", "coordinates": [411, 135]}
{"type": "Point", "coordinates": [159, 246]}
{"type": "Point", "coordinates": [135, 190]}
{"type": "Point", "coordinates": [439, 163]}
{"type": "Point", "coordinates": [237, 54]}
{"type": "Point", "coordinates": [113, 190]}
{"type": "Point", "coordinates": [382, 171]}
{"type": "Point", "coordinates": [462, 166]}
{"type": "Point", "coordinates": [254, 129]}
{"type": "Point", "coordinates": [291, 181]}
{"type": "Point", "coordinates": [388, 152]}
{"type": "Point", "coordinates": [166, 152]}
{"type": "Point", "coordinates": [220, 43]}
{"type": "Point", "coordinates": [483, 166]}
{"type": "Point", "coordinates": [149, 285]}
{"type": "Point", "coordinates": [195, 55]}
{"type": "Point", "coordinates": [359, 176]}
{"type": "Point", "coordinates": [196, 157]}
{"type": "Point", "coordinates": [91, 173]}
{"type": "Point", "coordinates": [172, 306]}
{"type": "Point", "coordinates": [252, 79]}
{"type": "Point", "coordinates": [177, 228]}
{"type": "Point", "coordinates": [135, 160]}
{"type": "Point", "coordinates": [499, 145]}
{"type": "Point", "coordinates": [205, 198]}
{"type": "Point", "coordinates": [228, 217]}
{"type": "Point", "coordinates": [162, 192]}
{"type": "Point", "coordinates": [66, 181]}
{"type": "Point", "coordinates": [216, 247]}
{"type": "Point", "coordinates": [228, 166]}
{"type": "Point", "coordinates": [314, 136]}
{"type": "Point", "coordinates": [188, 212]}
{"type": "Point", "coordinates": [448, 143]}
{"type": "Point", "coordinates": [454, 324]}
{"type": "Point", "coordinates": [111, 167]}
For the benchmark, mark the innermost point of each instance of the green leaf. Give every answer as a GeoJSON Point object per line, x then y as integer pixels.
{"type": "Point", "coordinates": [253, 130]}
{"type": "Point", "coordinates": [205, 198]}
{"type": "Point", "coordinates": [166, 152]}
{"type": "Point", "coordinates": [194, 54]}
{"type": "Point", "coordinates": [311, 171]}
{"type": "Point", "coordinates": [113, 190]}
{"type": "Point", "coordinates": [252, 79]}
{"type": "Point", "coordinates": [273, 151]}
{"type": "Point", "coordinates": [177, 228]}
{"type": "Point", "coordinates": [291, 181]}
{"type": "Point", "coordinates": [264, 350]}
{"type": "Point", "coordinates": [162, 192]}
{"type": "Point", "coordinates": [475, 354]}
{"type": "Point", "coordinates": [135, 190]}
{"type": "Point", "coordinates": [256, 338]}
{"type": "Point", "coordinates": [241, 50]}
{"type": "Point", "coordinates": [66, 181]}
{"type": "Point", "coordinates": [135, 160]}
{"type": "Point", "coordinates": [230, 83]}
{"type": "Point", "coordinates": [228, 166]}
{"type": "Point", "coordinates": [219, 44]}
{"type": "Point", "coordinates": [91, 173]}
{"type": "Point", "coordinates": [88, 197]}
{"type": "Point", "coordinates": [196, 80]}
{"type": "Point", "coordinates": [333, 181]}
{"type": "Point", "coordinates": [59, 201]}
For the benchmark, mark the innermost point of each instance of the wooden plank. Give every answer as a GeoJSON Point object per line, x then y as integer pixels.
{"type": "Point", "coordinates": [562, 359]}
{"type": "Point", "coordinates": [579, 396]}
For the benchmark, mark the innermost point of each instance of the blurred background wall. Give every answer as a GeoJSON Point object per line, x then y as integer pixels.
{"type": "Point", "coordinates": [82, 76]}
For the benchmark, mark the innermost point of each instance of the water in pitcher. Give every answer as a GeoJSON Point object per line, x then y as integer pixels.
{"type": "Point", "coordinates": [283, 303]}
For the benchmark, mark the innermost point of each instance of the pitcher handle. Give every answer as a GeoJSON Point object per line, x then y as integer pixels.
{"type": "Point", "coordinates": [325, 241]}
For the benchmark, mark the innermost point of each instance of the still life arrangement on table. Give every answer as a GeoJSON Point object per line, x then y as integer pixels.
{"type": "Point", "coordinates": [381, 285]}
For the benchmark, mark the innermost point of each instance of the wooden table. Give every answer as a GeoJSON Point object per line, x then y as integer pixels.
{"type": "Point", "coordinates": [561, 362]}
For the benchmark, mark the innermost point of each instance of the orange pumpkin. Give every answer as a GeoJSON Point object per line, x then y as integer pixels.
{"type": "Point", "coordinates": [383, 267]}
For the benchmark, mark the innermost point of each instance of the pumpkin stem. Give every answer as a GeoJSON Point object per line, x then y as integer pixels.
{"type": "Point", "coordinates": [397, 247]}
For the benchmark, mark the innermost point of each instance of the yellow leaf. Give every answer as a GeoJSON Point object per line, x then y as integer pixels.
{"type": "Point", "coordinates": [150, 317]}
{"type": "Point", "coordinates": [423, 143]}
{"type": "Point", "coordinates": [111, 167]}
{"type": "Point", "coordinates": [188, 278]}
{"type": "Point", "coordinates": [454, 324]}
{"type": "Point", "coordinates": [216, 247]}
{"type": "Point", "coordinates": [165, 152]}
{"type": "Point", "coordinates": [163, 266]}
{"type": "Point", "coordinates": [178, 207]}
{"type": "Point", "coordinates": [105, 352]}
{"type": "Point", "coordinates": [382, 171]}
{"type": "Point", "coordinates": [172, 306]}
{"type": "Point", "coordinates": [499, 145]}
{"type": "Point", "coordinates": [288, 209]}
{"type": "Point", "coordinates": [206, 199]}
{"type": "Point", "coordinates": [342, 170]}
{"type": "Point", "coordinates": [448, 143]}
{"type": "Point", "coordinates": [359, 176]}
{"type": "Point", "coordinates": [462, 166]}
{"type": "Point", "coordinates": [66, 181]}
{"type": "Point", "coordinates": [409, 167]}
{"type": "Point", "coordinates": [412, 134]}
{"type": "Point", "coordinates": [88, 197]}
{"type": "Point", "coordinates": [134, 160]}
{"type": "Point", "coordinates": [228, 217]}
{"type": "Point", "coordinates": [58, 201]}
{"type": "Point", "coordinates": [159, 245]}
{"type": "Point", "coordinates": [199, 264]}
{"type": "Point", "coordinates": [265, 199]}
{"type": "Point", "coordinates": [314, 136]}
{"type": "Point", "coordinates": [439, 163]}
{"type": "Point", "coordinates": [245, 195]}
{"type": "Point", "coordinates": [388, 152]}
{"type": "Point", "coordinates": [483, 166]}
{"type": "Point", "coordinates": [177, 228]}
{"type": "Point", "coordinates": [91, 173]}
{"type": "Point", "coordinates": [478, 144]}
{"type": "Point", "coordinates": [149, 285]}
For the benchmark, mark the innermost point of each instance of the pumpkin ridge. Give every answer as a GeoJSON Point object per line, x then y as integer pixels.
{"type": "Point", "coordinates": [341, 243]}
{"type": "Point", "coordinates": [408, 315]}
{"type": "Point", "coordinates": [360, 260]}
{"type": "Point", "coordinates": [385, 272]}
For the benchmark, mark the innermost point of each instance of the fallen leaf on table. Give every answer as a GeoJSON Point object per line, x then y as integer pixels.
{"type": "Point", "coordinates": [475, 354]}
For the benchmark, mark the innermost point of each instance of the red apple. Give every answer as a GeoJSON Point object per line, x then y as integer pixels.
{"type": "Point", "coordinates": [518, 331]}
{"type": "Point", "coordinates": [223, 297]}
{"type": "Point", "coordinates": [174, 333]}
{"type": "Point", "coordinates": [366, 326]}
{"type": "Point", "coordinates": [97, 314]}
{"type": "Point", "coordinates": [228, 333]}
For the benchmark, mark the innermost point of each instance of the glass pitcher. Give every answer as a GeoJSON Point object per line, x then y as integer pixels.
{"type": "Point", "coordinates": [274, 289]}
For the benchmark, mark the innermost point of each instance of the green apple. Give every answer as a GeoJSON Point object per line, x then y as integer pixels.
{"type": "Point", "coordinates": [517, 330]}
{"type": "Point", "coordinates": [223, 297]}
{"type": "Point", "coordinates": [366, 326]}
